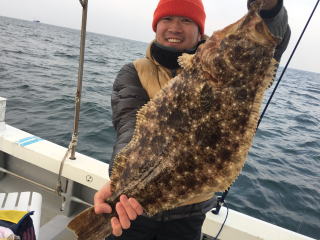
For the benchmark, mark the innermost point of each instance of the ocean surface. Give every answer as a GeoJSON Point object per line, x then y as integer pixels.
{"type": "Point", "coordinates": [280, 182]}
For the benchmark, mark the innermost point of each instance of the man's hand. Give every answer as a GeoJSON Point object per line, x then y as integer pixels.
{"type": "Point", "coordinates": [127, 209]}
{"type": "Point", "coordinates": [269, 4]}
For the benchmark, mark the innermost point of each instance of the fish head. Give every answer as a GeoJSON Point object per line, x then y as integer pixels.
{"type": "Point", "coordinates": [243, 49]}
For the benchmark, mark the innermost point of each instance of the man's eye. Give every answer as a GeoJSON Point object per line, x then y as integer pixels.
{"type": "Point", "coordinates": [166, 18]}
{"type": "Point", "coordinates": [187, 20]}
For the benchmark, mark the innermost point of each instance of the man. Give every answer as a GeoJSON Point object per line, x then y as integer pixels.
{"type": "Point", "coordinates": [179, 28]}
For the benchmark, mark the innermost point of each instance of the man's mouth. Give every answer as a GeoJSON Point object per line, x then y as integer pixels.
{"type": "Point", "coordinates": [174, 40]}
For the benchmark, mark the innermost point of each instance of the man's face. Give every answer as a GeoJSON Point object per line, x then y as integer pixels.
{"type": "Point", "coordinates": [178, 32]}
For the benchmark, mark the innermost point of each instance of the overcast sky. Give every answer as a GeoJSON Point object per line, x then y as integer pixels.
{"type": "Point", "coordinates": [132, 19]}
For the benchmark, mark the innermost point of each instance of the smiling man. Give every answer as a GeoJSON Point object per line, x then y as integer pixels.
{"type": "Point", "coordinates": [179, 24]}
{"type": "Point", "coordinates": [179, 27]}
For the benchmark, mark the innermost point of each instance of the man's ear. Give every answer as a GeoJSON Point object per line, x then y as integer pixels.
{"type": "Point", "coordinates": [199, 35]}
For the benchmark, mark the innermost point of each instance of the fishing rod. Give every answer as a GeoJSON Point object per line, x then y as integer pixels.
{"type": "Point", "coordinates": [75, 133]}
{"type": "Point", "coordinates": [221, 199]}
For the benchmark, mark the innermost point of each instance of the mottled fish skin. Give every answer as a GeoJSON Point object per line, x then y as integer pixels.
{"type": "Point", "coordinates": [193, 137]}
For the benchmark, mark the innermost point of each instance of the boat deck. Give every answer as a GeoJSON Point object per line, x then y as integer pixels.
{"type": "Point", "coordinates": [50, 209]}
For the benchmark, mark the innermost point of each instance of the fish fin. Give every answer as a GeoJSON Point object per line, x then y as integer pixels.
{"type": "Point", "coordinates": [271, 73]}
{"type": "Point", "coordinates": [185, 61]}
{"type": "Point", "coordinates": [88, 225]}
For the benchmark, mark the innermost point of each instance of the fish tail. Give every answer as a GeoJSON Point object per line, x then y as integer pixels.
{"type": "Point", "coordinates": [91, 226]}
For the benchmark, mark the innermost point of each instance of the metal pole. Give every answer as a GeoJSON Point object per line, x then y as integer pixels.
{"type": "Point", "coordinates": [74, 140]}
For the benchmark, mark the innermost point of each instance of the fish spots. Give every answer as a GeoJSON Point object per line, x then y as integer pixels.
{"type": "Point", "coordinates": [164, 178]}
{"type": "Point", "coordinates": [238, 51]}
{"type": "Point", "coordinates": [219, 166]}
{"type": "Point", "coordinates": [147, 166]}
{"type": "Point", "coordinates": [235, 146]}
{"type": "Point", "coordinates": [234, 37]}
{"type": "Point", "coordinates": [237, 82]}
{"type": "Point", "coordinates": [151, 115]}
{"type": "Point", "coordinates": [226, 170]}
{"type": "Point", "coordinates": [217, 104]}
{"type": "Point", "coordinates": [162, 109]}
{"type": "Point", "coordinates": [206, 98]}
{"type": "Point", "coordinates": [181, 191]}
{"type": "Point", "coordinates": [220, 64]}
{"type": "Point", "coordinates": [210, 158]}
{"type": "Point", "coordinates": [176, 120]}
{"type": "Point", "coordinates": [252, 68]}
{"type": "Point", "coordinates": [186, 165]}
{"type": "Point", "coordinates": [179, 99]}
{"type": "Point", "coordinates": [207, 136]}
{"type": "Point", "coordinates": [128, 172]}
{"type": "Point", "coordinates": [225, 154]}
{"type": "Point", "coordinates": [184, 171]}
{"type": "Point", "coordinates": [147, 199]}
{"type": "Point", "coordinates": [259, 27]}
{"type": "Point", "coordinates": [144, 135]}
{"type": "Point", "coordinates": [242, 123]}
{"type": "Point", "coordinates": [204, 179]}
{"type": "Point", "coordinates": [195, 113]}
{"type": "Point", "coordinates": [241, 55]}
{"type": "Point", "coordinates": [158, 145]}
{"type": "Point", "coordinates": [242, 94]}
{"type": "Point", "coordinates": [191, 182]}
{"type": "Point", "coordinates": [144, 140]}
{"type": "Point", "coordinates": [175, 86]}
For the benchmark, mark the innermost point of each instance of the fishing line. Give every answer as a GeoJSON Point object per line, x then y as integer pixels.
{"type": "Point", "coordinates": [284, 70]}
{"type": "Point", "coordinates": [216, 237]}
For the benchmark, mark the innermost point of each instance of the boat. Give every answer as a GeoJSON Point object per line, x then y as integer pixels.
{"type": "Point", "coordinates": [30, 163]}
{"type": "Point", "coordinates": [36, 21]}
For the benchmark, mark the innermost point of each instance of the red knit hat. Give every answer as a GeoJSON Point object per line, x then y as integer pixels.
{"type": "Point", "coordinates": [192, 9]}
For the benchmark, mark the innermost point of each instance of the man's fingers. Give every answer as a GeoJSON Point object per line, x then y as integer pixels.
{"type": "Point", "coordinates": [123, 217]}
{"type": "Point", "coordinates": [102, 208]}
{"type": "Point", "coordinates": [116, 227]}
{"type": "Point", "coordinates": [102, 194]}
{"type": "Point", "coordinates": [136, 206]}
{"type": "Point", "coordinates": [127, 206]}
{"type": "Point", "coordinates": [99, 200]}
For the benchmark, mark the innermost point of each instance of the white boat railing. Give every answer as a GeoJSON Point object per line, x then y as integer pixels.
{"type": "Point", "coordinates": [92, 173]}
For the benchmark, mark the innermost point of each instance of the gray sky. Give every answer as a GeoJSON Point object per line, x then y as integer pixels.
{"type": "Point", "coordinates": [132, 19]}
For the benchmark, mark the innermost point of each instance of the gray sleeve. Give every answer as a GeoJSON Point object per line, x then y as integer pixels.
{"type": "Point", "coordinates": [278, 24]}
{"type": "Point", "coordinates": [279, 27]}
{"type": "Point", "coordinates": [127, 98]}
{"type": "Point", "coordinates": [277, 21]}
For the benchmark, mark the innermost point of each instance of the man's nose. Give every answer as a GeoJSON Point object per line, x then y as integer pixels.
{"type": "Point", "coordinates": [175, 26]}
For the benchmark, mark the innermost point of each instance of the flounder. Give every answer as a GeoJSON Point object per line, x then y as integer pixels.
{"type": "Point", "coordinates": [193, 137]}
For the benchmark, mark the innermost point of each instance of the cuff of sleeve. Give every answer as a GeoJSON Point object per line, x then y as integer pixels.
{"type": "Point", "coordinates": [271, 12]}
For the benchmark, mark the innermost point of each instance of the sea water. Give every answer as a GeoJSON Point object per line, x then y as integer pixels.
{"type": "Point", "coordinates": [280, 182]}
